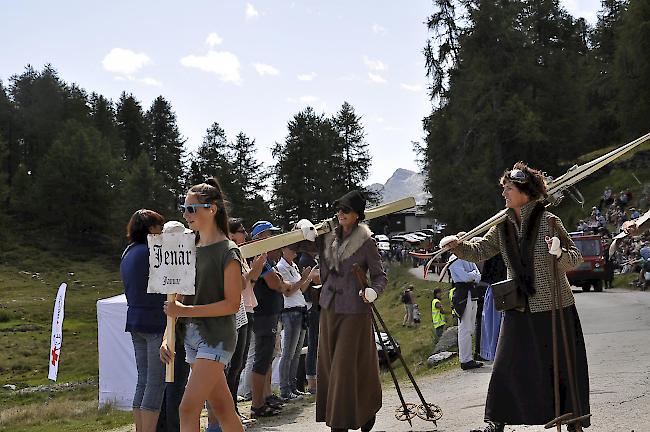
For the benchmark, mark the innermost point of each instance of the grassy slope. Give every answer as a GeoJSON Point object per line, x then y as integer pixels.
{"type": "Point", "coordinates": [416, 343]}
{"type": "Point", "coordinates": [29, 279]}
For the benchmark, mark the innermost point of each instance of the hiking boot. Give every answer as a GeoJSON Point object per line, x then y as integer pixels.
{"type": "Point", "coordinates": [263, 411]}
{"type": "Point", "coordinates": [275, 402]}
{"type": "Point", "coordinates": [291, 397]}
{"type": "Point", "coordinates": [472, 364]}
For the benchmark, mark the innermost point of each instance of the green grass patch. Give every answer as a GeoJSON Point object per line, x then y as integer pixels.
{"type": "Point", "coordinates": [416, 343]}
{"type": "Point", "coordinates": [29, 280]}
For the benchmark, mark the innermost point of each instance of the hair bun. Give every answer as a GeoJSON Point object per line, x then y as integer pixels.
{"type": "Point", "coordinates": [212, 182]}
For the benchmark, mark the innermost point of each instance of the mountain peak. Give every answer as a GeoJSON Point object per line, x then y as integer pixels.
{"type": "Point", "coordinates": [401, 184]}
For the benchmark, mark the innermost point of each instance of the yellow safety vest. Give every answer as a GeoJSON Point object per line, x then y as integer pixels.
{"type": "Point", "coordinates": [436, 316]}
{"type": "Point", "coordinates": [451, 301]}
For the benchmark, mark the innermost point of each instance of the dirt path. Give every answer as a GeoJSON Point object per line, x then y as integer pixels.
{"type": "Point", "coordinates": [616, 324]}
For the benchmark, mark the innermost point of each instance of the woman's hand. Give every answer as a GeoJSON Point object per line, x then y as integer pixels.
{"type": "Point", "coordinates": [258, 263]}
{"type": "Point", "coordinates": [554, 247]}
{"type": "Point", "coordinates": [368, 295]}
{"type": "Point", "coordinates": [174, 309]}
{"type": "Point", "coordinates": [166, 356]}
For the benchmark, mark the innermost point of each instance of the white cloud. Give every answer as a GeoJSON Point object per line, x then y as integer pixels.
{"type": "Point", "coordinates": [151, 81]}
{"type": "Point", "coordinates": [222, 63]}
{"type": "Point", "coordinates": [124, 61]}
{"type": "Point", "coordinates": [374, 65]}
{"type": "Point", "coordinates": [392, 129]}
{"type": "Point", "coordinates": [379, 119]}
{"type": "Point", "coordinates": [251, 12]}
{"type": "Point", "coordinates": [265, 69]}
{"type": "Point", "coordinates": [377, 29]}
{"type": "Point", "coordinates": [307, 77]}
{"type": "Point", "coordinates": [376, 78]}
{"type": "Point", "coordinates": [213, 40]}
{"type": "Point", "coordinates": [411, 87]}
{"type": "Point", "coordinates": [349, 77]}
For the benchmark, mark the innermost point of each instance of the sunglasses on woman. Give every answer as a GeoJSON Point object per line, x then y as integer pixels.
{"type": "Point", "coordinates": [518, 176]}
{"type": "Point", "coordinates": [343, 209]}
{"type": "Point", "coordinates": [191, 208]}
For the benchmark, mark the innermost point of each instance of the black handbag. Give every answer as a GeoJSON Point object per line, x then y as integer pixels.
{"type": "Point", "coordinates": [508, 297]}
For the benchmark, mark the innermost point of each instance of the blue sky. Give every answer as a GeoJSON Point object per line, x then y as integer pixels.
{"type": "Point", "coordinates": [249, 65]}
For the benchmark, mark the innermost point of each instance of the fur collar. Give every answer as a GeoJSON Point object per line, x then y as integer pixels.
{"type": "Point", "coordinates": [338, 249]}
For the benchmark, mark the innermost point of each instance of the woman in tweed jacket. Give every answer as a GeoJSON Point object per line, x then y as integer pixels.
{"type": "Point", "coordinates": [521, 387]}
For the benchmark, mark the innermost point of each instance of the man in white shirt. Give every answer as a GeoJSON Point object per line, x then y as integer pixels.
{"type": "Point", "coordinates": [465, 276]}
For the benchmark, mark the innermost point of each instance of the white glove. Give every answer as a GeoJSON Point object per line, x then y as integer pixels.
{"type": "Point", "coordinates": [308, 229]}
{"type": "Point", "coordinates": [446, 240]}
{"type": "Point", "coordinates": [371, 294]}
{"type": "Point", "coordinates": [555, 248]}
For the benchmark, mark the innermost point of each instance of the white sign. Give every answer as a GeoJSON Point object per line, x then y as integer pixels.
{"type": "Point", "coordinates": [57, 333]}
{"type": "Point", "coordinates": [172, 259]}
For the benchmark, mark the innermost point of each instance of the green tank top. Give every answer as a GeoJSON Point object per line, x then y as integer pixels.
{"type": "Point", "coordinates": [211, 261]}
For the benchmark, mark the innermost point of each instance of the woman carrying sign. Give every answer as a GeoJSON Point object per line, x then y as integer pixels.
{"type": "Point", "coordinates": [209, 332]}
{"type": "Point", "coordinates": [522, 389]}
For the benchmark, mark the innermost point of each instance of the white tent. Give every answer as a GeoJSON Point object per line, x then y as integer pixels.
{"type": "Point", "coordinates": [117, 371]}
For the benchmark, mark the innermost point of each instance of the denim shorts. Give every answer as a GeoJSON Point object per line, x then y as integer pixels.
{"type": "Point", "coordinates": [197, 348]}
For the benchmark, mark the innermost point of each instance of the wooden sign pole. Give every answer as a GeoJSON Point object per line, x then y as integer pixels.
{"type": "Point", "coordinates": [170, 334]}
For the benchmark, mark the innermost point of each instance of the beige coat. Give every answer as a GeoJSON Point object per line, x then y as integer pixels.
{"type": "Point", "coordinates": [494, 242]}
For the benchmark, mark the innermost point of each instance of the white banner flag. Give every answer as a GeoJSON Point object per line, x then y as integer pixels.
{"type": "Point", "coordinates": [57, 333]}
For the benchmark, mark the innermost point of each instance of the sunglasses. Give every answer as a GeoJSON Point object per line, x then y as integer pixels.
{"type": "Point", "coordinates": [518, 176]}
{"type": "Point", "coordinates": [343, 209]}
{"type": "Point", "coordinates": [191, 208]}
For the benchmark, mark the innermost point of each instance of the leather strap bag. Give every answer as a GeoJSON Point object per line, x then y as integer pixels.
{"type": "Point", "coordinates": [508, 297]}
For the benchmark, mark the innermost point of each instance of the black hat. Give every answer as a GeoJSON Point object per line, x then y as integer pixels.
{"type": "Point", "coordinates": [355, 200]}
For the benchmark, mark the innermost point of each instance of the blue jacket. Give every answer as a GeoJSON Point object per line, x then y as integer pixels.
{"type": "Point", "coordinates": [145, 311]}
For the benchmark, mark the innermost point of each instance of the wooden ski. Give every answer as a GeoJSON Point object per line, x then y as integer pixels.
{"type": "Point", "coordinates": [556, 188]}
{"type": "Point", "coordinates": [255, 248]}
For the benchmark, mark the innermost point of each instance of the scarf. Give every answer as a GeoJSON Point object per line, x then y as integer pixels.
{"type": "Point", "coordinates": [521, 253]}
{"type": "Point", "coordinates": [337, 249]}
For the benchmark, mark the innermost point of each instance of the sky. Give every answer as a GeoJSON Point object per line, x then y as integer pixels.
{"type": "Point", "coordinates": [248, 65]}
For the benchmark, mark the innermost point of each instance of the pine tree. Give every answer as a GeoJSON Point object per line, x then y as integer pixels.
{"type": "Point", "coordinates": [40, 101]}
{"type": "Point", "coordinates": [131, 126]}
{"type": "Point", "coordinates": [603, 125]}
{"type": "Point", "coordinates": [354, 150]}
{"type": "Point", "coordinates": [247, 186]}
{"type": "Point", "coordinates": [632, 69]}
{"type": "Point", "coordinates": [77, 179]}
{"type": "Point", "coordinates": [211, 158]}
{"type": "Point", "coordinates": [307, 168]}
{"type": "Point", "coordinates": [102, 115]}
{"type": "Point", "coordinates": [142, 189]}
{"type": "Point", "coordinates": [164, 144]}
{"type": "Point", "coordinates": [508, 89]}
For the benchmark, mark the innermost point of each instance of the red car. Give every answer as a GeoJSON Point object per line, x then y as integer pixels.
{"type": "Point", "coordinates": [590, 273]}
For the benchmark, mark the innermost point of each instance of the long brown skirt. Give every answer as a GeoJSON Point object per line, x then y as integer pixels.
{"type": "Point", "coordinates": [349, 391]}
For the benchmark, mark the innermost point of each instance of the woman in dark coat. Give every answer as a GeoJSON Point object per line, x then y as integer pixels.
{"type": "Point", "coordinates": [521, 389]}
{"type": "Point", "coordinates": [348, 393]}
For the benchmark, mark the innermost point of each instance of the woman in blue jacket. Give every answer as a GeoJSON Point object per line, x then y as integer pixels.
{"type": "Point", "coordinates": [145, 319]}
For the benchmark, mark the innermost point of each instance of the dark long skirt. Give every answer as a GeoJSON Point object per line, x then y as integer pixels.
{"type": "Point", "coordinates": [348, 393]}
{"type": "Point", "coordinates": [521, 387]}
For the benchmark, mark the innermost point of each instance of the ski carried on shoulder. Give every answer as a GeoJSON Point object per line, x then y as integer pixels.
{"type": "Point", "coordinates": [255, 248]}
{"type": "Point", "coordinates": [556, 191]}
